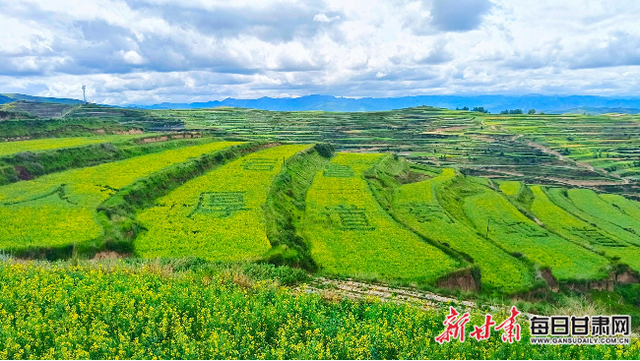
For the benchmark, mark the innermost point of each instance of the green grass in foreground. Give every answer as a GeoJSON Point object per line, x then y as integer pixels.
{"type": "Point", "coordinates": [126, 311]}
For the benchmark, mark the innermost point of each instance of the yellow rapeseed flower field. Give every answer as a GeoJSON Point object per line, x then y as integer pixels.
{"type": "Point", "coordinates": [351, 235]}
{"type": "Point", "coordinates": [8, 148]}
{"type": "Point", "coordinates": [60, 209]}
{"type": "Point", "coordinates": [217, 216]}
{"type": "Point", "coordinates": [120, 311]}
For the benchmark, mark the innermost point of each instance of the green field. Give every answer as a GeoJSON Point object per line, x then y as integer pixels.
{"type": "Point", "coordinates": [589, 202]}
{"type": "Point", "coordinates": [60, 209]}
{"type": "Point", "coordinates": [8, 148]}
{"type": "Point", "coordinates": [217, 216]}
{"type": "Point", "coordinates": [242, 233]}
{"type": "Point", "coordinates": [510, 188]}
{"type": "Point", "coordinates": [573, 228]}
{"type": "Point", "coordinates": [350, 235]}
{"type": "Point", "coordinates": [514, 232]}
{"type": "Point", "coordinates": [417, 205]}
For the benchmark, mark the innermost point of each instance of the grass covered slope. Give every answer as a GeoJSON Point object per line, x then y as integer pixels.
{"type": "Point", "coordinates": [217, 216]}
{"type": "Point", "coordinates": [285, 206]}
{"type": "Point", "coordinates": [151, 311]}
{"type": "Point", "coordinates": [351, 235]}
{"type": "Point", "coordinates": [417, 206]}
{"type": "Point", "coordinates": [60, 209]}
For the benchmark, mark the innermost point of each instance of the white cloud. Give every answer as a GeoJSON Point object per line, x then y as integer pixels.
{"type": "Point", "coordinates": [322, 18]}
{"type": "Point", "coordinates": [178, 50]}
{"type": "Point", "coordinates": [132, 57]}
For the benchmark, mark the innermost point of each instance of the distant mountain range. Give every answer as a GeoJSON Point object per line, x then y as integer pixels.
{"type": "Point", "coordinates": [8, 98]}
{"type": "Point", "coordinates": [494, 103]}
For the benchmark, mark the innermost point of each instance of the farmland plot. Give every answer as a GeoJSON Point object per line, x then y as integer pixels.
{"type": "Point", "coordinates": [60, 209]}
{"type": "Point", "coordinates": [503, 223]}
{"type": "Point", "coordinates": [418, 207]}
{"type": "Point", "coordinates": [589, 202]}
{"type": "Point", "coordinates": [8, 148]}
{"type": "Point", "coordinates": [349, 234]}
{"type": "Point", "coordinates": [573, 228]}
{"type": "Point", "coordinates": [217, 216]}
{"type": "Point", "coordinates": [559, 196]}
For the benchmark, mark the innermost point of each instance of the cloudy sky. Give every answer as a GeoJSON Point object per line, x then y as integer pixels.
{"type": "Point", "coordinates": [146, 52]}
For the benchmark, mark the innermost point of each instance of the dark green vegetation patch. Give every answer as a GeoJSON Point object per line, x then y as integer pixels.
{"type": "Point", "coordinates": [353, 218]}
{"type": "Point", "coordinates": [338, 171]}
{"type": "Point", "coordinates": [221, 204]}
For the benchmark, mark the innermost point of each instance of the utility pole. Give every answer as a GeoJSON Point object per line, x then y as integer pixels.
{"type": "Point", "coordinates": [84, 93]}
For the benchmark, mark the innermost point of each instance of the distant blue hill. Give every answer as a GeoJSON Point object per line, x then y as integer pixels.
{"type": "Point", "coordinates": [494, 103]}
{"type": "Point", "coordinates": [7, 98]}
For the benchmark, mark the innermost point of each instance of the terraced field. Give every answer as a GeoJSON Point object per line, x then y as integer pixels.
{"type": "Point", "coordinates": [217, 216]}
{"type": "Point", "coordinates": [351, 235]}
{"type": "Point", "coordinates": [60, 209]}
{"type": "Point", "coordinates": [418, 207]}
{"type": "Point", "coordinates": [505, 225]}
{"type": "Point", "coordinates": [559, 196]}
{"type": "Point", "coordinates": [519, 198]}
{"type": "Point", "coordinates": [8, 148]}
{"type": "Point", "coordinates": [589, 202]}
{"type": "Point", "coordinates": [572, 227]}
{"type": "Point", "coordinates": [604, 149]}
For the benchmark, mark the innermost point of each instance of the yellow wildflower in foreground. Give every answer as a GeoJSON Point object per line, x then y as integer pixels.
{"type": "Point", "coordinates": [136, 312]}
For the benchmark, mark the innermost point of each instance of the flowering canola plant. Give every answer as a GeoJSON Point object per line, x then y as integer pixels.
{"type": "Point", "coordinates": [121, 311]}
{"type": "Point", "coordinates": [217, 216]}
{"type": "Point", "coordinates": [8, 148]}
{"type": "Point", "coordinates": [60, 209]}
{"type": "Point", "coordinates": [351, 235]}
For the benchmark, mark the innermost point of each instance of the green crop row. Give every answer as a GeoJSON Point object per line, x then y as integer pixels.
{"type": "Point", "coordinates": [217, 216]}
{"type": "Point", "coordinates": [418, 206]}
{"type": "Point", "coordinates": [59, 210]}
{"type": "Point", "coordinates": [351, 235]}
{"type": "Point", "coordinates": [28, 165]}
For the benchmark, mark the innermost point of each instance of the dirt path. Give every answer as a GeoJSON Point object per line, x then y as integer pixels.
{"type": "Point", "coordinates": [555, 153]}
{"type": "Point", "coordinates": [69, 111]}
{"type": "Point", "coordinates": [360, 290]}
{"type": "Point", "coordinates": [588, 166]}
{"type": "Point", "coordinates": [357, 290]}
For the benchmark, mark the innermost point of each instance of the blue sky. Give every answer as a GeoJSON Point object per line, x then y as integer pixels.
{"type": "Point", "coordinates": [148, 52]}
